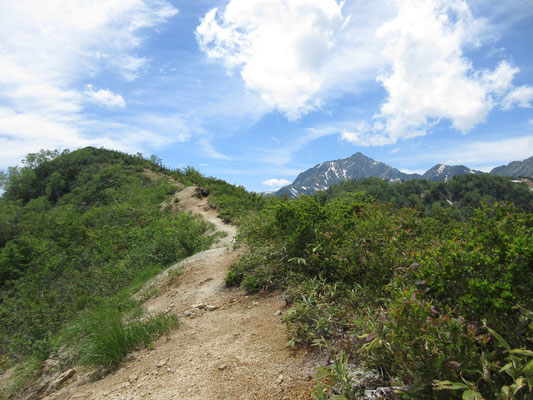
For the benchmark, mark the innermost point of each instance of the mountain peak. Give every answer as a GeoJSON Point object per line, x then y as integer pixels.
{"type": "Point", "coordinates": [357, 166]}
{"type": "Point", "coordinates": [443, 172]}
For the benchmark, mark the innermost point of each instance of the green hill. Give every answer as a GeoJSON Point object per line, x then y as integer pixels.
{"type": "Point", "coordinates": [77, 228]}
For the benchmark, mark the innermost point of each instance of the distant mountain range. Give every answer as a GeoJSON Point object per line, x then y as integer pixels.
{"type": "Point", "coordinates": [359, 166]}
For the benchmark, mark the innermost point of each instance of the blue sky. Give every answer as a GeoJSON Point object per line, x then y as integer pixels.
{"type": "Point", "coordinates": [256, 91]}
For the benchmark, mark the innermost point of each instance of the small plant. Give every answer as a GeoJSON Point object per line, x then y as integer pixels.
{"type": "Point", "coordinates": [320, 393]}
{"type": "Point", "coordinates": [341, 385]}
{"type": "Point", "coordinates": [4, 360]}
{"type": "Point", "coordinates": [342, 379]}
{"type": "Point", "coordinates": [24, 373]}
{"type": "Point", "coordinates": [103, 337]}
{"type": "Point", "coordinates": [173, 275]}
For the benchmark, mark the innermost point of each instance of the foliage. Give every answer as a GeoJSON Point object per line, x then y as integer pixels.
{"type": "Point", "coordinates": [86, 225]}
{"type": "Point", "coordinates": [459, 195]}
{"type": "Point", "coordinates": [321, 312]}
{"type": "Point", "coordinates": [404, 290]}
{"type": "Point", "coordinates": [518, 367]}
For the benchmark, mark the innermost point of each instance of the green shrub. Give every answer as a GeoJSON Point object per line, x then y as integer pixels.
{"type": "Point", "coordinates": [105, 336]}
{"type": "Point", "coordinates": [321, 313]}
{"type": "Point", "coordinates": [412, 290]}
{"type": "Point", "coordinates": [418, 344]}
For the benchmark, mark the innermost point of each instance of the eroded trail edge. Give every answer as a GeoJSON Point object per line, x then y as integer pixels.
{"type": "Point", "coordinates": [228, 346]}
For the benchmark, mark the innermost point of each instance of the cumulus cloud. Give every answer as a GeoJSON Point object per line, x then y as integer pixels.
{"type": "Point", "coordinates": [49, 50]}
{"type": "Point", "coordinates": [275, 182]}
{"type": "Point", "coordinates": [279, 47]}
{"type": "Point", "coordinates": [430, 79]}
{"type": "Point", "coordinates": [104, 97]}
{"type": "Point", "coordinates": [295, 54]}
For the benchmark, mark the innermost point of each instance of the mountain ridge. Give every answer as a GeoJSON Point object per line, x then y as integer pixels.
{"type": "Point", "coordinates": [358, 166]}
{"type": "Point", "coordinates": [515, 168]}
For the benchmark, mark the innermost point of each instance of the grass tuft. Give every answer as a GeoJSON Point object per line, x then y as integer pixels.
{"type": "Point", "coordinates": [103, 337]}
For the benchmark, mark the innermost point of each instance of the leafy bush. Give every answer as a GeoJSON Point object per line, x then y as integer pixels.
{"type": "Point", "coordinates": [419, 344]}
{"type": "Point", "coordinates": [408, 292]}
{"type": "Point", "coordinates": [322, 313]}
{"type": "Point", "coordinates": [483, 268]}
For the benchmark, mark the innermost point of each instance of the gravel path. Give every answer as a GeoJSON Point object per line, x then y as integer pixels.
{"type": "Point", "coordinates": [228, 346]}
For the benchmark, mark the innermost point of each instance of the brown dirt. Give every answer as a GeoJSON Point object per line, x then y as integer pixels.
{"type": "Point", "coordinates": [230, 346]}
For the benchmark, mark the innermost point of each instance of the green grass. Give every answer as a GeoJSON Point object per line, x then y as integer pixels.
{"type": "Point", "coordinates": [24, 373]}
{"type": "Point", "coordinates": [104, 336]}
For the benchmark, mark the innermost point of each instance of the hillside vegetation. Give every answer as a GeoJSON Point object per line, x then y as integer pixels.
{"type": "Point", "coordinates": [459, 196]}
{"type": "Point", "coordinates": [78, 232]}
{"type": "Point", "coordinates": [438, 297]}
{"type": "Point", "coordinates": [429, 283]}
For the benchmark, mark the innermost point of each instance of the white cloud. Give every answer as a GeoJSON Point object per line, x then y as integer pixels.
{"type": "Point", "coordinates": [209, 151]}
{"type": "Point", "coordinates": [430, 79]}
{"type": "Point", "coordinates": [104, 97]}
{"type": "Point", "coordinates": [23, 133]}
{"type": "Point", "coordinates": [363, 134]}
{"type": "Point", "coordinates": [500, 80]}
{"type": "Point", "coordinates": [520, 96]}
{"type": "Point", "coordinates": [48, 50]}
{"type": "Point", "coordinates": [275, 182]}
{"type": "Point", "coordinates": [415, 48]}
{"type": "Point", "coordinates": [283, 152]}
{"type": "Point", "coordinates": [280, 48]}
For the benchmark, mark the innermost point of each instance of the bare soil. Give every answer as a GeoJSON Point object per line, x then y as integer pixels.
{"type": "Point", "coordinates": [228, 345]}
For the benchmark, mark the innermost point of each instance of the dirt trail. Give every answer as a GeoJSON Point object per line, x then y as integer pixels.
{"type": "Point", "coordinates": [228, 345]}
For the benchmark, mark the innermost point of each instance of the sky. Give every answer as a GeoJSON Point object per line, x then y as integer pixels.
{"type": "Point", "coordinates": [256, 91]}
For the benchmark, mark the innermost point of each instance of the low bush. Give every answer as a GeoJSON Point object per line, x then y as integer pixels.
{"type": "Point", "coordinates": [411, 294]}
{"type": "Point", "coordinates": [105, 335]}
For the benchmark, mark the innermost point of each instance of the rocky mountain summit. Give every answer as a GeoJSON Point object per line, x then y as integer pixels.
{"type": "Point", "coordinates": [442, 172]}
{"type": "Point", "coordinates": [358, 166]}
